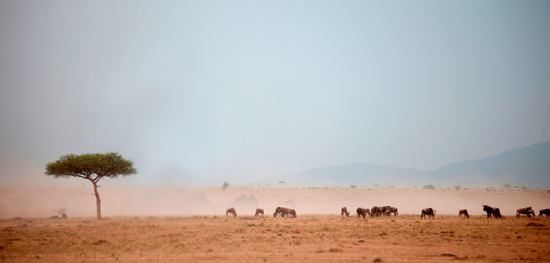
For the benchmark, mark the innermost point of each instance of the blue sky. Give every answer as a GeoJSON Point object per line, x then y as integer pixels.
{"type": "Point", "coordinates": [201, 92]}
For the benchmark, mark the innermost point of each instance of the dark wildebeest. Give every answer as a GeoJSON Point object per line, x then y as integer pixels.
{"type": "Point", "coordinates": [367, 211]}
{"type": "Point", "coordinates": [427, 212]}
{"type": "Point", "coordinates": [462, 213]}
{"type": "Point", "coordinates": [527, 211]}
{"type": "Point", "coordinates": [60, 212]}
{"type": "Point", "coordinates": [544, 212]}
{"type": "Point", "coordinates": [385, 210]}
{"type": "Point", "coordinates": [230, 211]}
{"type": "Point", "coordinates": [292, 213]}
{"type": "Point", "coordinates": [376, 211]}
{"type": "Point", "coordinates": [344, 211]}
{"type": "Point", "coordinates": [283, 211]}
{"type": "Point", "coordinates": [362, 212]}
{"type": "Point", "coordinates": [260, 212]}
{"type": "Point", "coordinates": [391, 210]}
{"type": "Point", "coordinates": [492, 211]}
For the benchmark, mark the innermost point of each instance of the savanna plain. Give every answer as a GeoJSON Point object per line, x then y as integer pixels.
{"type": "Point", "coordinates": [174, 229]}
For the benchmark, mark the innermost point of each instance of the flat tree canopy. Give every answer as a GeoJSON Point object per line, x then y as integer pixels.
{"type": "Point", "coordinates": [93, 167]}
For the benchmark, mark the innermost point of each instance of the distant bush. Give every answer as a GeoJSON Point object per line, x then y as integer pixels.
{"type": "Point", "coordinates": [429, 186]}
{"type": "Point", "coordinates": [353, 186]}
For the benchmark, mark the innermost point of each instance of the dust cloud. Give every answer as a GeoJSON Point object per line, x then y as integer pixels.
{"type": "Point", "coordinates": [209, 201]}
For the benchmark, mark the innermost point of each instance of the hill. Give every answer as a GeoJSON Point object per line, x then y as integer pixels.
{"type": "Point", "coordinates": [528, 166]}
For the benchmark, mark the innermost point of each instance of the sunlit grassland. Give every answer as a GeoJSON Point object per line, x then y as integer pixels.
{"type": "Point", "coordinates": [308, 238]}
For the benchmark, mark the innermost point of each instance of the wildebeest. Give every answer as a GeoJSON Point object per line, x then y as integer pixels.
{"type": "Point", "coordinates": [388, 210]}
{"type": "Point", "coordinates": [362, 212]}
{"type": "Point", "coordinates": [231, 211]}
{"type": "Point", "coordinates": [344, 211]}
{"type": "Point", "coordinates": [283, 211]}
{"type": "Point", "coordinates": [527, 211]}
{"type": "Point", "coordinates": [292, 213]}
{"type": "Point", "coordinates": [492, 211]}
{"type": "Point", "coordinates": [462, 213]}
{"type": "Point", "coordinates": [376, 211]}
{"type": "Point", "coordinates": [367, 211]}
{"type": "Point", "coordinates": [260, 212]}
{"type": "Point", "coordinates": [427, 212]}
{"type": "Point", "coordinates": [60, 211]}
{"type": "Point", "coordinates": [544, 212]}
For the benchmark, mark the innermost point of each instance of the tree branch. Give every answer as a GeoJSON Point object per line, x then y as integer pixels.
{"type": "Point", "coordinates": [78, 175]}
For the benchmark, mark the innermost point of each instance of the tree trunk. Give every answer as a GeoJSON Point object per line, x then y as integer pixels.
{"type": "Point", "coordinates": [97, 201]}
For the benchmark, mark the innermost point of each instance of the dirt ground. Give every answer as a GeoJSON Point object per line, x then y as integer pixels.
{"type": "Point", "coordinates": [309, 238]}
{"type": "Point", "coordinates": [189, 225]}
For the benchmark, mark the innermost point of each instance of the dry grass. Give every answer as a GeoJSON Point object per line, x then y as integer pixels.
{"type": "Point", "coordinates": [308, 238]}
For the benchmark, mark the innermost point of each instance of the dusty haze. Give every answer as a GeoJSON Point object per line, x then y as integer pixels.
{"type": "Point", "coordinates": [40, 202]}
{"type": "Point", "coordinates": [202, 92]}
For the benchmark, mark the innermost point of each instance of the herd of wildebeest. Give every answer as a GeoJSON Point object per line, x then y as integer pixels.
{"type": "Point", "coordinates": [378, 211]}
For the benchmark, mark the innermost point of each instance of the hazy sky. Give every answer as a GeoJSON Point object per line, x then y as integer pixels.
{"type": "Point", "coordinates": [213, 91]}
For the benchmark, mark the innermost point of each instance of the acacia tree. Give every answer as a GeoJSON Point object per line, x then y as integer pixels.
{"type": "Point", "coordinates": [93, 167]}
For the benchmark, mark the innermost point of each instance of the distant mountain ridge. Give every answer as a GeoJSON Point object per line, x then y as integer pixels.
{"type": "Point", "coordinates": [528, 166]}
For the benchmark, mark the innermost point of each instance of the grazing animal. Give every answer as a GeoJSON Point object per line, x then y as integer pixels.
{"type": "Point", "coordinates": [260, 212]}
{"type": "Point", "coordinates": [292, 213]}
{"type": "Point", "coordinates": [367, 211]}
{"type": "Point", "coordinates": [492, 211]}
{"type": "Point", "coordinates": [427, 212]}
{"type": "Point", "coordinates": [386, 210]}
{"type": "Point", "coordinates": [60, 211]}
{"type": "Point", "coordinates": [283, 211]}
{"type": "Point", "coordinates": [545, 212]}
{"type": "Point", "coordinates": [344, 211]}
{"type": "Point", "coordinates": [391, 210]}
{"type": "Point", "coordinates": [376, 211]}
{"type": "Point", "coordinates": [527, 211]}
{"type": "Point", "coordinates": [231, 211]}
{"type": "Point", "coordinates": [463, 213]}
{"type": "Point", "coordinates": [362, 212]}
